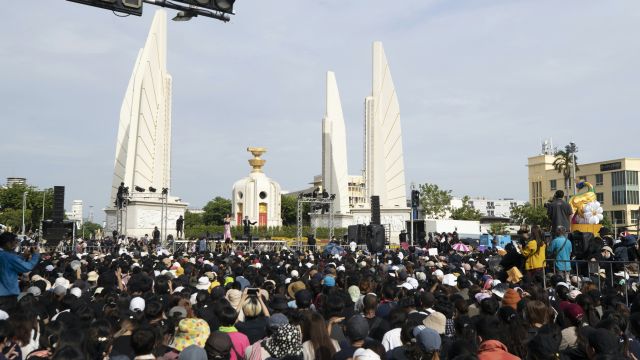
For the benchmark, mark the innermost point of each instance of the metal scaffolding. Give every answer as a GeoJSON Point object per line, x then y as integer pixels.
{"type": "Point", "coordinates": [314, 200]}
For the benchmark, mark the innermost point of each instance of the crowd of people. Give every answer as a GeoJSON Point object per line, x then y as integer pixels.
{"type": "Point", "coordinates": [403, 303]}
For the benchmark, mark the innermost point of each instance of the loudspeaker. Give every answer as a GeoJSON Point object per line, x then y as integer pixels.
{"type": "Point", "coordinates": [375, 210]}
{"type": "Point", "coordinates": [58, 204]}
{"type": "Point", "coordinates": [357, 234]}
{"type": "Point", "coordinates": [376, 238]}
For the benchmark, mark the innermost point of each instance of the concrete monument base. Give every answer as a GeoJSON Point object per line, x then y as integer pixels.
{"type": "Point", "coordinates": [141, 216]}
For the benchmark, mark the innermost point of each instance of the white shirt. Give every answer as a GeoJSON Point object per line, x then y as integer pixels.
{"type": "Point", "coordinates": [391, 339]}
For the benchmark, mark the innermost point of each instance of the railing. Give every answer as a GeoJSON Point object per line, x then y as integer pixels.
{"type": "Point", "coordinates": [593, 270]}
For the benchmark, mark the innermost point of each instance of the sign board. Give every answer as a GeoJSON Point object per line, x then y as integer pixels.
{"type": "Point", "coordinates": [611, 166]}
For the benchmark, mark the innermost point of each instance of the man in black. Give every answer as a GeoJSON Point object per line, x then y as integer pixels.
{"type": "Point", "coordinates": [246, 226]}
{"type": "Point", "coordinates": [559, 212]}
{"type": "Point", "coordinates": [179, 225]}
{"type": "Point", "coordinates": [156, 236]}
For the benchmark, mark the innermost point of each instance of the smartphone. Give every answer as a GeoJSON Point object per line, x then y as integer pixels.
{"type": "Point", "coordinates": [252, 291]}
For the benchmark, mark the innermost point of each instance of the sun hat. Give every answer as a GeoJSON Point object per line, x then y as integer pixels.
{"type": "Point", "coordinates": [218, 345]}
{"type": "Point", "coordinates": [354, 293]}
{"type": "Point", "coordinates": [92, 276]}
{"type": "Point", "coordinates": [285, 342]}
{"type": "Point", "coordinates": [607, 248]}
{"type": "Point", "coordinates": [203, 283]}
{"type": "Point", "coordinates": [191, 331]}
{"type": "Point", "coordinates": [34, 290]}
{"type": "Point", "coordinates": [59, 290]}
{"type": "Point", "coordinates": [178, 311]}
{"type": "Point", "coordinates": [294, 287]}
{"type": "Point", "coordinates": [436, 321]}
{"type": "Point", "coordinates": [450, 280]}
{"type": "Point", "coordinates": [573, 294]}
{"type": "Point", "coordinates": [62, 282]}
{"type": "Point", "coordinates": [234, 296]}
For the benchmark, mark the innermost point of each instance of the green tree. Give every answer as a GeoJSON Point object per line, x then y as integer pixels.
{"type": "Point", "coordinates": [216, 210]}
{"type": "Point", "coordinates": [606, 222]}
{"type": "Point", "coordinates": [434, 201]}
{"type": "Point", "coordinates": [466, 211]}
{"type": "Point", "coordinates": [563, 163]}
{"type": "Point", "coordinates": [11, 206]}
{"type": "Point", "coordinates": [289, 210]}
{"type": "Point", "coordinates": [531, 215]}
{"type": "Point", "coordinates": [498, 228]}
{"type": "Point", "coordinates": [89, 229]}
{"type": "Point", "coordinates": [192, 219]}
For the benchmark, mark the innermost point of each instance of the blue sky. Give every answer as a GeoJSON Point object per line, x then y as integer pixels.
{"type": "Point", "coordinates": [480, 84]}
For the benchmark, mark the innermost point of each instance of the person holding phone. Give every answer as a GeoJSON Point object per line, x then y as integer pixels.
{"type": "Point", "coordinates": [255, 314]}
{"type": "Point", "coordinates": [12, 264]}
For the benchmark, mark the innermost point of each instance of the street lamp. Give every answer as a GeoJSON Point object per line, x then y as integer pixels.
{"type": "Point", "coordinates": [184, 16]}
{"type": "Point", "coordinates": [24, 205]}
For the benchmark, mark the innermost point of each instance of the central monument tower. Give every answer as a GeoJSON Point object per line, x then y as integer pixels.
{"type": "Point", "coordinates": [143, 148]}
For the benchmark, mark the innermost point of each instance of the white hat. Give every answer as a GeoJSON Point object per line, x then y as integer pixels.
{"type": "Point", "coordinates": [439, 274]}
{"type": "Point", "coordinates": [49, 268]}
{"type": "Point", "coordinates": [365, 354]}
{"type": "Point", "coordinates": [341, 268]}
{"type": "Point", "coordinates": [76, 292]}
{"type": "Point", "coordinates": [3, 315]}
{"type": "Point", "coordinates": [92, 276]}
{"type": "Point", "coordinates": [62, 282]}
{"type": "Point", "coordinates": [137, 304]}
{"type": "Point", "coordinates": [406, 285]}
{"type": "Point", "coordinates": [294, 273]}
{"type": "Point", "coordinates": [203, 283]}
{"type": "Point", "coordinates": [413, 282]}
{"type": "Point", "coordinates": [287, 280]}
{"type": "Point", "coordinates": [178, 289]}
{"type": "Point", "coordinates": [450, 280]}
{"type": "Point", "coordinates": [192, 299]}
{"type": "Point", "coordinates": [98, 290]}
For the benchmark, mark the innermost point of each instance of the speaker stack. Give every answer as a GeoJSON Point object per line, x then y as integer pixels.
{"type": "Point", "coordinates": [375, 210]}
{"type": "Point", "coordinates": [58, 204]}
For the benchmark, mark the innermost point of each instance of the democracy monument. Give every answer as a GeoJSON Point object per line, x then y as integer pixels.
{"type": "Point", "coordinates": [143, 148]}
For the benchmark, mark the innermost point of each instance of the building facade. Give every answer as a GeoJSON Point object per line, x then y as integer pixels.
{"type": "Point", "coordinates": [615, 181]}
{"type": "Point", "coordinates": [76, 213]}
{"type": "Point", "coordinates": [489, 207]}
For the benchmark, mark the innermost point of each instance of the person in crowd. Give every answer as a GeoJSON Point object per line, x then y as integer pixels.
{"type": "Point", "coordinates": [489, 337]}
{"type": "Point", "coordinates": [11, 265]}
{"type": "Point", "coordinates": [560, 252]}
{"type": "Point", "coordinates": [559, 212]}
{"type": "Point", "coordinates": [534, 252]}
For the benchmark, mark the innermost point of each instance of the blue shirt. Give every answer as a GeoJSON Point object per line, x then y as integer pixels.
{"type": "Point", "coordinates": [562, 246]}
{"type": "Point", "coordinates": [12, 264]}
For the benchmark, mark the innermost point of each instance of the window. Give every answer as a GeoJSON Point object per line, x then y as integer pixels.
{"type": "Point", "coordinates": [490, 205]}
{"type": "Point", "coordinates": [619, 197]}
{"type": "Point", "coordinates": [618, 217]}
{"type": "Point", "coordinates": [600, 198]}
{"type": "Point", "coordinates": [490, 213]}
{"type": "Point", "coordinates": [553, 184]}
{"type": "Point", "coordinates": [632, 197]}
{"type": "Point", "coordinates": [599, 179]}
{"type": "Point", "coordinates": [632, 177]}
{"type": "Point", "coordinates": [634, 216]}
{"type": "Point", "coordinates": [513, 204]}
{"type": "Point", "coordinates": [617, 178]}
{"type": "Point", "coordinates": [536, 193]}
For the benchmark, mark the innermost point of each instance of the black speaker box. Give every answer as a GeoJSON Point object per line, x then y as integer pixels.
{"type": "Point", "coordinates": [375, 210]}
{"type": "Point", "coordinates": [58, 204]}
{"type": "Point", "coordinates": [376, 239]}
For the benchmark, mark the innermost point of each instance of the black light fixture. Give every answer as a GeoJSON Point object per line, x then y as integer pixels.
{"type": "Point", "coordinates": [165, 191]}
{"type": "Point", "coordinates": [152, 189]}
{"type": "Point", "coordinates": [139, 189]}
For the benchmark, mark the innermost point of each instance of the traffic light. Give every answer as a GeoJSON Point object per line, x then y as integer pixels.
{"type": "Point", "coordinates": [415, 199]}
{"type": "Point", "coordinates": [132, 7]}
{"type": "Point", "coordinates": [225, 6]}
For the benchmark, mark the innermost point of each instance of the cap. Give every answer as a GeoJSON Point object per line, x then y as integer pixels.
{"type": "Point", "coordinates": [178, 311]}
{"type": "Point", "coordinates": [365, 354]}
{"type": "Point", "coordinates": [329, 281]}
{"type": "Point", "coordinates": [450, 280]}
{"type": "Point", "coordinates": [137, 304]}
{"type": "Point", "coordinates": [76, 292]}
{"type": "Point", "coordinates": [34, 290]}
{"type": "Point", "coordinates": [92, 276]}
{"type": "Point", "coordinates": [428, 338]}
{"type": "Point", "coordinates": [59, 290]}
{"type": "Point", "coordinates": [277, 320]}
{"type": "Point", "coordinates": [574, 312]}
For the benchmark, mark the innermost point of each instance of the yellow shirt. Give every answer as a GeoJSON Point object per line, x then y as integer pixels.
{"type": "Point", "coordinates": [534, 259]}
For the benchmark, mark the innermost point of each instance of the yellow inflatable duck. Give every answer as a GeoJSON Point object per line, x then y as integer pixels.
{"type": "Point", "coordinates": [577, 202]}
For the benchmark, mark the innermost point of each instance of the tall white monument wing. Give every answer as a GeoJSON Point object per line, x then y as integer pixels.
{"type": "Point", "coordinates": [335, 176]}
{"type": "Point", "coordinates": [143, 148]}
{"type": "Point", "coordinates": [384, 161]}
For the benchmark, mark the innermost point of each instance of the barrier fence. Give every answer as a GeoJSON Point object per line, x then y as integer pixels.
{"type": "Point", "coordinates": [605, 274]}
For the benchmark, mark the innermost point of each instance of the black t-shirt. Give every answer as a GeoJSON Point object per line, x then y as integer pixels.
{"type": "Point", "coordinates": [122, 346]}
{"type": "Point", "coordinates": [255, 329]}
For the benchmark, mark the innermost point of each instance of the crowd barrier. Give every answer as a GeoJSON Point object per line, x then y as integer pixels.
{"type": "Point", "coordinates": [605, 274]}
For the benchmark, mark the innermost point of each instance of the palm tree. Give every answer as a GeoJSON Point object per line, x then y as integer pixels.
{"type": "Point", "coordinates": [564, 161]}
